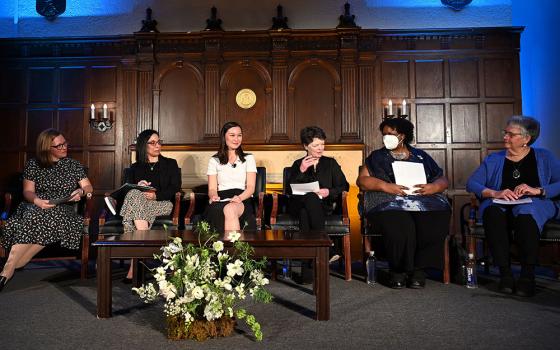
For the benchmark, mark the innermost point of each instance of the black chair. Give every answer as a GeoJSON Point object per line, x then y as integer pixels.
{"type": "Point", "coordinates": [474, 230]}
{"type": "Point", "coordinates": [369, 234]}
{"type": "Point", "coordinates": [199, 201]}
{"type": "Point", "coordinates": [54, 251]}
{"type": "Point", "coordinates": [337, 223]}
{"type": "Point", "coordinates": [112, 224]}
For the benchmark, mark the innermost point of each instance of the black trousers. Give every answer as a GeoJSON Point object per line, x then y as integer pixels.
{"type": "Point", "coordinates": [412, 239]}
{"type": "Point", "coordinates": [502, 228]}
{"type": "Point", "coordinates": [309, 210]}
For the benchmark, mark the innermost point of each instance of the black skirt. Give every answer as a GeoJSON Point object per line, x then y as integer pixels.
{"type": "Point", "coordinates": [214, 212]}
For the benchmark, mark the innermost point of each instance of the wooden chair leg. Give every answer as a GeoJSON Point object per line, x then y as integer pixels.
{"type": "Point", "coordinates": [274, 267]}
{"type": "Point", "coordinates": [446, 273]}
{"type": "Point", "coordinates": [347, 257]}
{"type": "Point", "coordinates": [84, 258]}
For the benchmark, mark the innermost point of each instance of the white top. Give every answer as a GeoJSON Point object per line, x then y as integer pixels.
{"type": "Point", "coordinates": [232, 175]}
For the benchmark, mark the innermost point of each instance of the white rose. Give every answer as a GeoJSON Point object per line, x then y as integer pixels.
{"type": "Point", "coordinates": [218, 246]}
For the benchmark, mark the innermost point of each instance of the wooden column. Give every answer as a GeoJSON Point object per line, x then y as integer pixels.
{"type": "Point", "coordinates": [146, 62]}
{"type": "Point", "coordinates": [212, 44]}
{"type": "Point", "coordinates": [350, 131]}
{"type": "Point", "coordinates": [280, 56]}
{"type": "Point", "coordinates": [367, 101]}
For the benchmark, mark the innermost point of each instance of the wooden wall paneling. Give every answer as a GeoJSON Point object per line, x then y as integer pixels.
{"type": "Point", "coordinates": [255, 120]}
{"type": "Point", "coordinates": [498, 77]}
{"type": "Point", "coordinates": [370, 110]}
{"type": "Point", "coordinates": [12, 123]}
{"type": "Point", "coordinates": [72, 84]}
{"type": "Point", "coordinates": [72, 124]}
{"type": "Point", "coordinates": [103, 84]}
{"type": "Point", "coordinates": [179, 104]}
{"type": "Point", "coordinates": [12, 85]}
{"type": "Point", "coordinates": [37, 121]}
{"type": "Point", "coordinates": [465, 161]}
{"type": "Point", "coordinates": [464, 77]}
{"type": "Point", "coordinates": [497, 115]}
{"type": "Point", "coordinates": [430, 123]}
{"type": "Point", "coordinates": [350, 131]}
{"type": "Point", "coordinates": [465, 122]}
{"type": "Point", "coordinates": [440, 157]}
{"type": "Point", "coordinates": [12, 167]}
{"type": "Point", "coordinates": [429, 78]}
{"type": "Point", "coordinates": [395, 78]}
{"type": "Point", "coordinates": [101, 170]}
{"type": "Point", "coordinates": [314, 88]}
{"type": "Point", "coordinates": [41, 85]}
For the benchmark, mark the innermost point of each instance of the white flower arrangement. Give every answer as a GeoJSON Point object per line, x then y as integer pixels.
{"type": "Point", "coordinates": [205, 281]}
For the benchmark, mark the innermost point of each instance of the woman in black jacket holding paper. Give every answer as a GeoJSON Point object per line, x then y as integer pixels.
{"type": "Point", "coordinates": [140, 209]}
{"type": "Point", "coordinates": [310, 209]}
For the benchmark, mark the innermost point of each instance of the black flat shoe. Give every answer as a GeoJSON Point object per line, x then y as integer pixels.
{"type": "Point", "coordinates": [3, 281]}
{"type": "Point", "coordinates": [525, 287]}
{"type": "Point", "coordinates": [506, 285]}
{"type": "Point", "coordinates": [417, 279]}
{"type": "Point", "coordinates": [397, 280]}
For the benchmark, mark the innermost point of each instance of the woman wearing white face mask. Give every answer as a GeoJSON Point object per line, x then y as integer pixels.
{"type": "Point", "coordinates": [413, 226]}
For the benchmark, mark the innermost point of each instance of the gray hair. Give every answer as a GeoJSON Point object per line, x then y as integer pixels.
{"type": "Point", "coordinates": [528, 125]}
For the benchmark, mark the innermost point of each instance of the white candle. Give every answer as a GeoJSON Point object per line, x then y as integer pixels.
{"type": "Point", "coordinates": [390, 107]}
{"type": "Point", "coordinates": [92, 112]}
{"type": "Point", "coordinates": [404, 107]}
{"type": "Point", "coordinates": [104, 111]}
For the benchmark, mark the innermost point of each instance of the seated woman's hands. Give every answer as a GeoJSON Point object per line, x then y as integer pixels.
{"type": "Point", "coordinates": [76, 195]}
{"type": "Point", "coordinates": [236, 199]}
{"type": "Point", "coordinates": [426, 189]}
{"type": "Point", "coordinates": [323, 192]}
{"type": "Point", "coordinates": [149, 195]}
{"type": "Point", "coordinates": [43, 203]}
{"type": "Point", "coordinates": [526, 190]}
{"type": "Point", "coordinates": [506, 194]}
{"type": "Point", "coordinates": [392, 188]}
{"type": "Point", "coordinates": [307, 162]}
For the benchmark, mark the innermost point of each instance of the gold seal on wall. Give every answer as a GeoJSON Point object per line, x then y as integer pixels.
{"type": "Point", "coordinates": [246, 98]}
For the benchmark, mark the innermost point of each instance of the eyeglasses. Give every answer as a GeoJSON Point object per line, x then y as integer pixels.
{"type": "Point", "coordinates": [153, 143]}
{"type": "Point", "coordinates": [511, 134]}
{"type": "Point", "coordinates": [61, 146]}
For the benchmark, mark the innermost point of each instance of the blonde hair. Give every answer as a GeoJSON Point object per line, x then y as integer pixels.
{"type": "Point", "coordinates": [43, 150]}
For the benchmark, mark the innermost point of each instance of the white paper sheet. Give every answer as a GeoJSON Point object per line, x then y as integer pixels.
{"type": "Point", "coordinates": [409, 174]}
{"type": "Point", "coordinates": [304, 188]}
{"type": "Point", "coordinates": [514, 202]}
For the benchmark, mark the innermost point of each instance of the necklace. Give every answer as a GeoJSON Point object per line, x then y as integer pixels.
{"type": "Point", "coordinates": [399, 155]}
{"type": "Point", "coordinates": [516, 174]}
{"type": "Point", "coordinates": [152, 165]}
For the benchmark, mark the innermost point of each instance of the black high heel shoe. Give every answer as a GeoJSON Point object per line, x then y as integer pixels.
{"type": "Point", "coordinates": [3, 281]}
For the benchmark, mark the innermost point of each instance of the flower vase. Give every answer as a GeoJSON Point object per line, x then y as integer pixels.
{"type": "Point", "coordinates": [200, 329]}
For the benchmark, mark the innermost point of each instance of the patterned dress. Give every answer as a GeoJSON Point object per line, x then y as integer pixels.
{"type": "Point", "coordinates": [33, 225]}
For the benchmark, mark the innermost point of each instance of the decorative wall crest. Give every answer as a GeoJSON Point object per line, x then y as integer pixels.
{"type": "Point", "coordinates": [50, 8]}
{"type": "Point", "coordinates": [279, 22]}
{"type": "Point", "coordinates": [456, 5]}
{"type": "Point", "coordinates": [346, 20]}
{"type": "Point", "coordinates": [149, 25]}
{"type": "Point", "coordinates": [214, 23]}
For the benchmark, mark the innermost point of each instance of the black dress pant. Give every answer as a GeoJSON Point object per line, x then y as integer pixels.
{"type": "Point", "coordinates": [412, 239]}
{"type": "Point", "coordinates": [309, 210]}
{"type": "Point", "coordinates": [502, 228]}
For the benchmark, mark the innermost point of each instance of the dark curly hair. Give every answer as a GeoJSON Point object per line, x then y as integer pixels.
{"type": "Point", "coordinates": [403, 126]}
{"type": "Point", "coordinates": [309, 133]}
{"type": "Point", "coordinates": [222, 154]}
{"type": "Point", "coordinates": [142, 145]}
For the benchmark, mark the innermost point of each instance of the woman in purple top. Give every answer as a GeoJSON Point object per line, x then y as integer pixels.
{"type": "Point", "coordinates": [520, 171]}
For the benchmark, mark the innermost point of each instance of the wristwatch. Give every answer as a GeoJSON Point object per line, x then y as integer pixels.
{"type": "Point", "coordinates": [543, 192]}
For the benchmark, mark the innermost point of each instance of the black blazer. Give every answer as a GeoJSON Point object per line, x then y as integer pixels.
{"type": "Point", "coordinates": [169, 177]}
{"type": "Point", "coordinates": [328, 173]}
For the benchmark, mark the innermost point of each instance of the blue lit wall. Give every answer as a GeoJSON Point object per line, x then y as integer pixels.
{"type": "Point", "coordinates": [540, 70]}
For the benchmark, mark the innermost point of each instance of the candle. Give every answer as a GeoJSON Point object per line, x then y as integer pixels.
{"type": "Point", "coordinates": [104, 111]}
{"type": "Point", "coordinates": [390, 107]}
{"type": "Point", "coordinates": [404, 107]}
{"type": "Point", "coordinates": [92, 112]}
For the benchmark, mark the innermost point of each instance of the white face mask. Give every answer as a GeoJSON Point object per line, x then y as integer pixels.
{"type": "Point", "coordinates": [390, 141]}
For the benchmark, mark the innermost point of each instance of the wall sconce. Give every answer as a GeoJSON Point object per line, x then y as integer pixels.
{"type": "Point", "coordinates": [402, 110]}
{"type": "Point", "coordinates": [101, 121]}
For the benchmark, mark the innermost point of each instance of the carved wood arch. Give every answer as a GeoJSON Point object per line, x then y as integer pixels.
{"type": "Point", "coordinates": [335, 133]}
{"type": "Point", "coordinates": [257, 120]}
{"type": "Point", "coordinates": [164, 72]}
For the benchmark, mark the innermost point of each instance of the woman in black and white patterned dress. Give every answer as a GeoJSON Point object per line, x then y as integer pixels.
{"type": "Point", "coordinates": [37, 223]}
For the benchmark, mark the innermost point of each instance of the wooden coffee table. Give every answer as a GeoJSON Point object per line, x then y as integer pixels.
{"type": "Point", "coordinates": [273, 244]}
